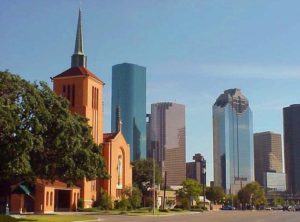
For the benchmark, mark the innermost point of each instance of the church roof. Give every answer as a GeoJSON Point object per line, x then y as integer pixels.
{"type": "Point", "coordinates": [77, 71]}
{"type": "Point", "coordinates": [109, 136]}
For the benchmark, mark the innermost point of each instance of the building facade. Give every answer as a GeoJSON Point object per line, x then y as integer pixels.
{"type": "Point", "coordinates": [291, 126]}
{"type": "Point", "coordinates": [84, 91]}
{"type": "Point", "coordinates": [232, 141]}
{"type": "Point", "coordinates": [196, 170]}
{"type": "Point", "coordinates": [129, 98]}
{"type": "Point", "coordinates": [167, 134]}
{"type": "Point", "coordinates": [267, 155]}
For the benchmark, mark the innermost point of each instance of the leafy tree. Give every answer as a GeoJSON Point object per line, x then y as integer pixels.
{"type": "Point", "coordinates": [41, 138]}
{"type": "Point", "coordinates": [134, 196]}
{"type": "Point", "coordinates": [215, 194]}
{"type": "Point", "coordinates": [191, 190]}
{"type": "Point", "coordinates": [252, 195]}
{"type": "Point", "coordinates": [143, 174]}
{"type": "Point", "coordinates": [278, 201]}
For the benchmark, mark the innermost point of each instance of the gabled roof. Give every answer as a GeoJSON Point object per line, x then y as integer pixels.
{"type": "Point", "coordinates": [77, 71]}
{"type": "Point", "coordinates": [109, 136]}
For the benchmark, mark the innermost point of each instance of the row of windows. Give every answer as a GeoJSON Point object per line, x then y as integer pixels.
{"type": "Point", "coordinates": [95, 98]}
{"type": "Point", "coordinates": [69, 93]}
{"type": "Point", "coordinates": [47, 198]}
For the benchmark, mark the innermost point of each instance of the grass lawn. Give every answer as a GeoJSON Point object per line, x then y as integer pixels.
{"type": "Point", "coordinates": [47, 218]}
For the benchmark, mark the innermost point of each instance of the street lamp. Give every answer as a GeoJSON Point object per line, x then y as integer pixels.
{"type": "Point", "coordinates": [203, 179]}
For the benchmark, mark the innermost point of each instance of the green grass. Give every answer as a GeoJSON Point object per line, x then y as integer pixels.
{"type": "Point", "coordinates": [46, 218]}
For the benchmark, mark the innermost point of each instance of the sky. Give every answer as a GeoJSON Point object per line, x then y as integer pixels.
{"type": "Point", "coordinates": [193, 50]}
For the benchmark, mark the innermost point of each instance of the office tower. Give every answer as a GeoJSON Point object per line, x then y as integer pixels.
{"type": "Point", "coordinates": [129, 97]}
{"type": "Point", "coordinates": [267, 154]}
{"type": "Point", "coordinates": [232, 141]}
{"type": "Point", "coordinates": [167, 129]}
{"type": "Point", "coordinates": [291, 125]}
{"type": "Point", "coordinates": [196, 170]}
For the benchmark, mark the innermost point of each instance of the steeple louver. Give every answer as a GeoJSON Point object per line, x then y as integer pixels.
{"type": "Point", "coordinates": [78, 58]}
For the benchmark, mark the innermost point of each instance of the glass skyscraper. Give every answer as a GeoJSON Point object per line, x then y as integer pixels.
{"type": "Point", "coordinates": [232, 141]}
{"type": "Point", "coordinates": [291, 126]}
{"type": "Point", "coordinates": [129, 103]}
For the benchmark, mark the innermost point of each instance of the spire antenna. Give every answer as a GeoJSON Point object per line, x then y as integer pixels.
{"type": "Point", "coordinates": [78, 58]}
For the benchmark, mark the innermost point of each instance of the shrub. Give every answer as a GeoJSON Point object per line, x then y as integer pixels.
{"type": "Point", "coordinates": [80, 204]}
{"type": "Point", "coordinates": [104, 202]}
{"type": "Point", "coordinates": [124, 204]}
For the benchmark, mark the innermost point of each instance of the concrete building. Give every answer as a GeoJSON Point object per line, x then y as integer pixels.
{"type": "Point", "coordinates": [291, 126]}
{"type": "Point", "coordinates": [232, 141]}
{"type": "Point", "coordinates": [129, 98]}
{"type": "Point", "coordinates": [267, 155]}
{"type": "Point", "coordinates": [195, 170]}
{"type": "Point", "coordinates": [167, 134]}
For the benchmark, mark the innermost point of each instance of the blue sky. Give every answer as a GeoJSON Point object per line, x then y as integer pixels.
{"type": "Point", "coordinates": [193, 51]}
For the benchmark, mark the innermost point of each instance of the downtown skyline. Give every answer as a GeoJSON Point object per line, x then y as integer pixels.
{"type": "Point", "coordinates": [192, 52]}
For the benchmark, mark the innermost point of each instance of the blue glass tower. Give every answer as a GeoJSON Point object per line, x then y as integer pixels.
{"type": "Point", "coordinates": [232, 141]}
{"type": "Point", "coordinates": [129, 100]}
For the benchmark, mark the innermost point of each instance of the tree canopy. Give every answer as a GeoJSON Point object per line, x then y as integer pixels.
{"type": "Point", "coordinates": [143, 174]}
{"type": "Point", "coordinates": [252, 195]}
{"type": "Point", "coordinates": [191, 190]}
{"type": "Point", "coordinates": [215, 194]}
{"type": "Point", "coordinates": [41, 138]}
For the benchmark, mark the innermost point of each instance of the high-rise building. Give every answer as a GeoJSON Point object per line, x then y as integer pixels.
{"type": "Point", "coordinates": [232, 141]}
{"type": "Point", "coordinates": [167, 133]}
{"type": "Point", "coordinates": [129, 98]}
{"type": "Point", "coordinates": [291, 125]}
{"type": "Point", "coordinates": [267, 155]}
{"type": "Point", "coordinates": [197, 170]}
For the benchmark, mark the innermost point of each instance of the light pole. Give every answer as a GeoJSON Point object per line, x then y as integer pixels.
{"type": "Point", "coordinates": [204, 179]}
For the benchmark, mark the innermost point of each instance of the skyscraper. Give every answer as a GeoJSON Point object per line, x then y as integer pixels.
{"type": "Point", "coordinates": [232, 141]}
{"type": "Point", "coordinates": [267, 155]}
{"type": "Point", "coordinates": [167, 133]}
{"type": "Point", "coordinates": [129, 98]}
{"type": "Point", "coordinates": [196, 170]}
{"type": "Point", "coordinates": [291, 126]}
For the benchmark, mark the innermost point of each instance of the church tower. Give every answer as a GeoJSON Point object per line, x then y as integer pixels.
{"type": "Point", "coordinates": [84, 90]}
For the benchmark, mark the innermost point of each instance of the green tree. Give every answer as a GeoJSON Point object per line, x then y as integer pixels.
{"type": "Point", "coordinates": [143, 174]}
{"type": "Point", "coordinates": [278, 201]}
{"type": "Point", "coordinates": [252, 195]}
{"type": "Point", "coordinates": [190, 191]}
{"type": "Point", "coordinates": [215, 194]}
{"type": "Point", "coordinates": [134, 196]}
{"type": "Point", "coordinates": [41, 138]}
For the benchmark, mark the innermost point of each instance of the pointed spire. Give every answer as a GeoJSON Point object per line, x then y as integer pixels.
{"type": "Point", "coordinates": [78, 58]}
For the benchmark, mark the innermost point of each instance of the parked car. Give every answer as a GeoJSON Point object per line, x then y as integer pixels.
{"type": "Point", "coordinates": [278, 207]}
{"type": "Point", "coordinates": [228, 207]}
{"type": "Point", "coordinates": [289, 208]}
{"type": "Point", "coordinates": [268, 208]}
{"type": "Point", "coordinates": [297, 207]}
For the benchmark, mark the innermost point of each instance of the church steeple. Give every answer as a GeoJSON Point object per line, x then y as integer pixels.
{"type": "Point", "coordinates": [78, 58]}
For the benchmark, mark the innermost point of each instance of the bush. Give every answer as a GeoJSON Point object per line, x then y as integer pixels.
{"type": "Point", "coordinates": [124, 204]}
{"type": "Point", "coordinates": [135, 198]}
{"type": "Point", "coordinates": [104, 202]}
{"type": "Point", "coordinates": [80, 204]}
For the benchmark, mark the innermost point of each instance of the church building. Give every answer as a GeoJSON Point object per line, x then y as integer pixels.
{"type": "Point", "coordinates": [84, 91]}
